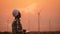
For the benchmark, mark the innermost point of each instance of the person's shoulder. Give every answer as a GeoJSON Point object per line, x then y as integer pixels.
{"type": "Point", "coordinates": [14, 21]}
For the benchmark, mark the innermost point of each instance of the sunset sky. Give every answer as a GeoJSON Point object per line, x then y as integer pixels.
{"type": "Point", "coordinates": [49, 14]}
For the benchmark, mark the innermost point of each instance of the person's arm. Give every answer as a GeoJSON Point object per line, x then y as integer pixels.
{"type": "Point", "coordinates": [19, 27]}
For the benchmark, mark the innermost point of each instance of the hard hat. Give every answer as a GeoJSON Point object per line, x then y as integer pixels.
{"type": "Point", "coordinates": [16, 13]}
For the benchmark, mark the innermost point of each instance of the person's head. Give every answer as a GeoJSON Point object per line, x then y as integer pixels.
{"type": "Point", "coordinates": [16, 13]}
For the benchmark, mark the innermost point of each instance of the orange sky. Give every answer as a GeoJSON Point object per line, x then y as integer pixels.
{"type": "Point", "coordinates": [29, 9]}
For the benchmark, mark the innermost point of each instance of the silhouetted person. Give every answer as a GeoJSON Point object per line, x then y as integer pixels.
{"type": "Point", "coordinates": [16, 26]}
